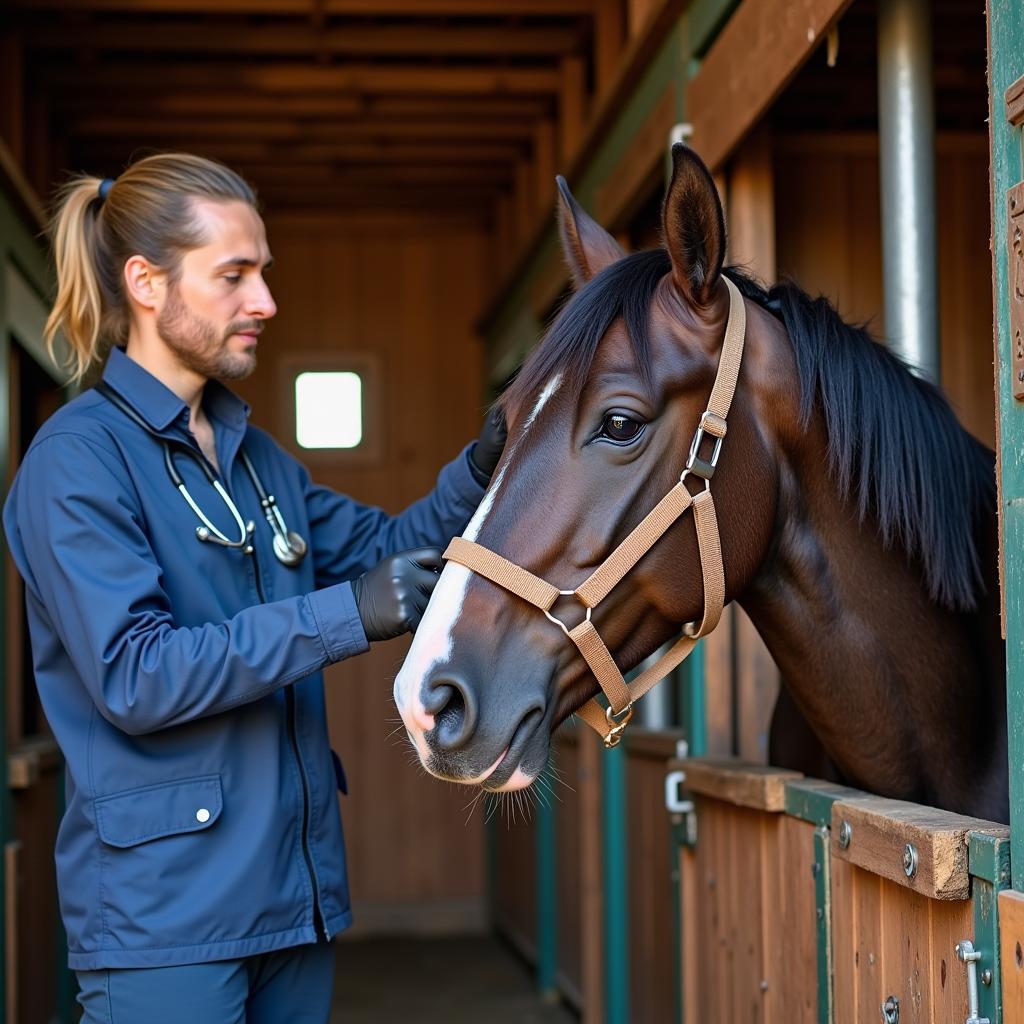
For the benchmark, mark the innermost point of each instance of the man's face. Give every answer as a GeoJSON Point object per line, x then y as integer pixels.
{"type": "Point", "coordinates": [214, 312]}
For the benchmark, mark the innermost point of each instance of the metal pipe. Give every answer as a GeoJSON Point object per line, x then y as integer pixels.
{"type": "Point", "coordinates": [906, 129]}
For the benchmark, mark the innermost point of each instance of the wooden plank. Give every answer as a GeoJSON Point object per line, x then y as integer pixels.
{"type": "Point", "coordinates": [1011, 948]}
{"type": "Point", "coordinates": [747, 900]}
{"type": "Point", "coordinates": [754, 57]}
{"type": "Point", "coordinates": [544, 163]}
{"type": "Point", "coordinates": [378, 40]}
{"type": "Point", "coordinates": [791, 997]}
{"type": "Point", "coordinates": [904, 963]}
{"type": "Point", "coordinates": [882, 829]}
{"type": "Point", "coordinates": [691, 939]}
{"type": "Point", "coordinates": [1014, 99]}
{"type": "Point", "coordinates": [869, 944]}
{"type": "Point", "coordinates": [845, 962]}
{"type": "Point", "coordinates": [949, 922]}
{"type": "Point", "coordinates": [738, 782]}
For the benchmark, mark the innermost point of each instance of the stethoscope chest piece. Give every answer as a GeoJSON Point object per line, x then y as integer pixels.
{"type": "Point", "coordinates": [289, 548]}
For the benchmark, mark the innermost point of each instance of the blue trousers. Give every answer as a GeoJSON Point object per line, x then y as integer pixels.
{"type": "Point", "coordinates": [290, 986]}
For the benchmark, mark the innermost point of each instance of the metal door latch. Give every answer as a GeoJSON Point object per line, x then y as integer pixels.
{"type": "Point", "coordinates": [680, 809]}
{"type": "Point", "coordinates": [966, 952]}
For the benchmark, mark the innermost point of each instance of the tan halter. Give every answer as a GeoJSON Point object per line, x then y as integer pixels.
{"type": "Point", "coordinates": [611, 721]}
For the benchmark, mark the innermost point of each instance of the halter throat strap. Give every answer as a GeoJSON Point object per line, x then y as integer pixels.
{"type": "Point", "coordinates": [611, 721]}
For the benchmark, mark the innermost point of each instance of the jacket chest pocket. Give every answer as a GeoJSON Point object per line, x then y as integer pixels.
{"type": "Point", "coordinates": [150, 812]}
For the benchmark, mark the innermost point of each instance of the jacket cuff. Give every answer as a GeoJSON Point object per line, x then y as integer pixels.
{"type": "Point", "coordinates": [337, 618]}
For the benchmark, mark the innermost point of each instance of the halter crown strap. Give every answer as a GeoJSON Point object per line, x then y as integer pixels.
{"type": "Point", "coordinates": [611, 721]}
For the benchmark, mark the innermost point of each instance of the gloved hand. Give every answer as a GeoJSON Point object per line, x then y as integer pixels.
{"type": "Point", "coordinates": [487, 449]}
{"type": "Point", "coordinates": [392, 596]}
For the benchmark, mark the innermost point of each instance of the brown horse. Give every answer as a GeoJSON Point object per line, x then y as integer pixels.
{"type": "Point", "coordinates": [857, 524]}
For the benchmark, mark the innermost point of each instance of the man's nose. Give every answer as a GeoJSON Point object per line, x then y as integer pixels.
{"type": "Point", "coordinates": [261, 303]}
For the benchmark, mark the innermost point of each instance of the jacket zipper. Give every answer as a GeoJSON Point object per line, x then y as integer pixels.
{"type": "Point", "coordinates": [319, 925]}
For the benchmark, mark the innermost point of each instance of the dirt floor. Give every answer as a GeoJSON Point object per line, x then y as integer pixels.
{"type": "Point", "coordinates": [470, 980]}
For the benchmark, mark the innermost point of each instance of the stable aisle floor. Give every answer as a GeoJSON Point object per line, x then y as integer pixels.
{"type": "Point", "coordinates": [465, 980]}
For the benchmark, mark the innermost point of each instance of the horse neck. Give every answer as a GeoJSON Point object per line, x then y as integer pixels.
{"type": "Point", "coordinates": [906, 697]}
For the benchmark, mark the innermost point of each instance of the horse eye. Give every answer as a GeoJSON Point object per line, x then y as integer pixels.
{"type": "Point", "coordinates": [617, 427]}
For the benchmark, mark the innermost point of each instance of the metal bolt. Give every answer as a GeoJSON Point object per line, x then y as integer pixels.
{"type": "Point", "coordinates": [845, 835]}
{"type": "Point", "coordinates": [910, 860]}
{"type": "Point", "coordinates": [891, 1010]}
{"type": "Point", "coordinates": [821, 914]}
{"type": "Point", "coordinates": [986, 977]}
{"type": "Point", "coordinates": [815, 869]}
{"type": "Point", "coordinates": [764, 984]}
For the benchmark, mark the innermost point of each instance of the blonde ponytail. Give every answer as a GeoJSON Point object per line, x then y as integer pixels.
{"type": "Point", "coordinates": [78, 308]}
{"type": "Point", "coordinates": [148, 212]}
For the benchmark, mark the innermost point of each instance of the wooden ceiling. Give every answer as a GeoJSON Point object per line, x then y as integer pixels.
{"type": "Point", "coordinates": [324, 105]}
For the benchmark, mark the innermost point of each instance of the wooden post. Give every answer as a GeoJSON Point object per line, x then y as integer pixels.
{"type": "Point", "coordinates": [591, 921]}
{"type": "Point", "coordinates": [751, 221]}
{"type": "Point", "coordinates": [1006, 116]}
{"type": "Point", "coordinates": [544, 162]}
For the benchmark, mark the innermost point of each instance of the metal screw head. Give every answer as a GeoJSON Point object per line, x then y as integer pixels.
{"type": "Point", "coordinates": [910, 860]}
{"type": "Point", "coordinates": [986, 977]}
{"type": "Point", "coordinates": [891, 1010]}
{"type": "Point", "coordinates": [845, 835]}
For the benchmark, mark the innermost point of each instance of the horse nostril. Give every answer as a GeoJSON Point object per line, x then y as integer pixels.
{"type": "Point", "coordinates": [452, 703]}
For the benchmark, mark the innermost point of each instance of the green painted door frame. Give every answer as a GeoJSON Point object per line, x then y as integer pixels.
{"type": "Point", "coordinates": [1006, 66]}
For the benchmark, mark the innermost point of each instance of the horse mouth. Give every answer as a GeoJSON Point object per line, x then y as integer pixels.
{"type": "Point", "coordinates": [511, 761]}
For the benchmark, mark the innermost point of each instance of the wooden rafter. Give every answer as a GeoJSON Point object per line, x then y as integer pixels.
{"type": "Point", "coordinates": [395, 40]}
{"type": "Point", "coordinates": [371, 8]}
{"type": "Point", "coordinates": [291, 78]}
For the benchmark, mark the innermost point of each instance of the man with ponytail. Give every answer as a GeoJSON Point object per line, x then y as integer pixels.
{"type": "Point", "coordinates": [179, 632]}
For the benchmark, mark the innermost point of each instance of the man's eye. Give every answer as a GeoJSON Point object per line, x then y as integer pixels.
{"type": "Point", "coordinates": [621, 429]}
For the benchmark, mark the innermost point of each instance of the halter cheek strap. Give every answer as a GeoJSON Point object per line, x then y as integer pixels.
{"type": "Point", "coordinates": [610, 721]}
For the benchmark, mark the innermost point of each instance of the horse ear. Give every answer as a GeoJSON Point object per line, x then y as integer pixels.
{"type": "Point", "coordinates": [587, 246]}
{"type": "Point", "coordinates": [694, 227]}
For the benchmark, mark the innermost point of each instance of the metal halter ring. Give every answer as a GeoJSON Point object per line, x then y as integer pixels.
{"type": "Point", "coordinates": [618, 724]}
{"type": "Point", "coordinates": [558, 622]}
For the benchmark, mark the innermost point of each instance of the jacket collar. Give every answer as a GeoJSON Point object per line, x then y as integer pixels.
{"type": "Point", "coordinates": [158, 405]}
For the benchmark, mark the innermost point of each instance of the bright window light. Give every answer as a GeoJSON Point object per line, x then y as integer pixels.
{"type": "Point", "coordinates": [328, 410]}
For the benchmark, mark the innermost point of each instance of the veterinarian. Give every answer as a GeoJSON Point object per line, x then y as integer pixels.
{"type": "Point", "coordinates": [186, 583]}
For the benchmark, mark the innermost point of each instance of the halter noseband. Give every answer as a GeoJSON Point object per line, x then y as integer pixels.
{"type": "Point", "coordinates": [610, 721]}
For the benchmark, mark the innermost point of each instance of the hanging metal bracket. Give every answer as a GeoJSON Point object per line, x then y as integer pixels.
{"type": "Point", "coordinates": [966, 952]}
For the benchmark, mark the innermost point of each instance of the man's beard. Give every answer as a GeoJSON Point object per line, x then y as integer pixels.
{"type": "Point", "coordinates": [198, 344]}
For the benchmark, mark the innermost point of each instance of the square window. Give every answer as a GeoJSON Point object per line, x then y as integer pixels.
{"type": "Point", "coordinates": [329, 409]}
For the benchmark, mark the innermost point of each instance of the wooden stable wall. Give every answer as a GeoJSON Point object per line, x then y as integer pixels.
{"type": "Point", "coordinates": [783, 922]}
{"type": "Point", "coordinates": [400, 292]}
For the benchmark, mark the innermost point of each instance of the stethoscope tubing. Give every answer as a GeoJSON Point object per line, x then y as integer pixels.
{"type": "Point", "coordinates": [289, 547]}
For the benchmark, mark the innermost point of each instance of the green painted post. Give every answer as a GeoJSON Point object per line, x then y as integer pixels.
{"type": "Point", "coordinates": [616, 879]}
{"type": "Point", "coordinates": [547, 902]}
{"type": "Point", "coordinates": [989, 862]}
{"type": "Point", "coordinates": [1006, 65]}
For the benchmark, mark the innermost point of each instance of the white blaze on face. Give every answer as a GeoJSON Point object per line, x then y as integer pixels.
{"type": "Point", "coordinates": [432, 644]}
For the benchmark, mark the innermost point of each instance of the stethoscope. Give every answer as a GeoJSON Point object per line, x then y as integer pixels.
{"type": "Point", "coordinates": [289, 547]}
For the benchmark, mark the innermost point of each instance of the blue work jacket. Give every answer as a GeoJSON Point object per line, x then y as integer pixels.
{"type": "Point", "coordinates": [182, 679]}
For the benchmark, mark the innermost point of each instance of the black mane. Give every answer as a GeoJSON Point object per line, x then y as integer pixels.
{"type": "Point", "coordinates": [894, 444]}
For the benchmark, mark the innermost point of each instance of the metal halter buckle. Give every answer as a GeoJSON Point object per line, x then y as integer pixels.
{"type": "Point", "coordinates": [618, 724]}
{"type": "Point", "coordinates": [558, 622]}
{"type": "Point", "coordinates": [704, 468]}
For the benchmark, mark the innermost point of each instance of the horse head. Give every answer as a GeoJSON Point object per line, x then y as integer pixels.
{"type": "Point", "coordinates": [601, 419]}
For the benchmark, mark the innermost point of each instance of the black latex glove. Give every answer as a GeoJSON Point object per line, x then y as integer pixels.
{"type": "Point", "coordinates": [487, 449]}
{"type": "Point", "coordinates": [392, 596]}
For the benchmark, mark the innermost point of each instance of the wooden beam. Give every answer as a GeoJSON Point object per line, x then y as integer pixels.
{"type": "Point", "coordinates": [229, 37]}
{"type": "Point", "coordinates": [544, 163]}
{"type": "Point", "coordinates": [149, 102]}
{"type": "Point", "coordinates": [144, 126]}
{"type": "Point", "coordinates": [761, 48]}
{"type": "Point", "coordinates": [370, 8]}
{"type": "Point", "coordinates": [300, 153]}
{"type": "Point", "coordinates": [277, 77]}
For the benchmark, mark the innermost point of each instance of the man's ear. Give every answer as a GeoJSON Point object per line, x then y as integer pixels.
{"type": "Point", "coordinates": [693, 225]}
{"type": "Point", "coordinates": [144, 284]}
{"type": "Point", "coordinates": [587, 246]}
